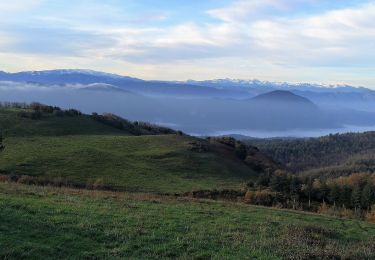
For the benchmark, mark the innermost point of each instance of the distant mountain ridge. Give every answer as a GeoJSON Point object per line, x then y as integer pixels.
{"type": "Point", "coordinates": [83, 75]}
{"type": "Point", "coordinates": [255, 83]}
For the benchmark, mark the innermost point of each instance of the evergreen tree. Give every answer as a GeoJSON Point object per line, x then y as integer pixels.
{"type": "Point", "coordinates": [356, 197]}
{"type": "Point", "coordinates": [345, 195]}
{"type": "Point", "coordinates": [279, 182]}
{"type": "Point", "coordinates": [307, 189]}
{"type": "Point", "coordinates": [263, 180]}
{"type": "Point", "coordinates": [294, 190]}
{"type": "Point", "coordinates": [334, 194]}
{"type": "Point", "coordinates": [368, 196]}
{"type": "Point", "coordinates": [323, 191]}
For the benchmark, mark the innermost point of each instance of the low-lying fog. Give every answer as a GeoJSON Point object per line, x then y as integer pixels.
{"type": "Point", "coordinates": [296, 133]}
{"type": "Point", "coordinates": [202, 116]}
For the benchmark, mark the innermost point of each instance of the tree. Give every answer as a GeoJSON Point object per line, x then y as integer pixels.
{"type": "Point", "coordinates": [279, 182]}
{"type": "Point", "coordinates": [345, 195]}
{"type": "Point", "coordinates": [241, 150]}
{"type": "Point", "coordinates": [263, 180]}
{"type": "Point", "coordinates": [294, 189]}
{"type": "Point", "coordinates": [307, 189]}
{"type": "Point", "coordinates": [334, 194]}
{"type": "Point", "coordinates": [368, 196]}
{"type": "Point", "coordinates": [321, 189]}
{"type": "Point", "coordinates": [356, 197]}
{"type": "Point", "coordinates": [1, 142]}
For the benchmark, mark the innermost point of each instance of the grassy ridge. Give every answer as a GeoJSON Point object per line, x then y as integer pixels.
{"type": "Point", "coordinates": [57, 223]}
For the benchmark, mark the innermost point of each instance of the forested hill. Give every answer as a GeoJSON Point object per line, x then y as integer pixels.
{"type": "Point", "coordinates": [332, 155]}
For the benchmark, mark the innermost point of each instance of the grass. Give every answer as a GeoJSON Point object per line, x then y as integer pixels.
{"type": "Point", "coordinates": [51, 223]}
{"type": "Point", "coordinates": [83, 152]}
{"type": "Point", "coordinates": [131, 163]}
{"type": "Point", "coordinates": [44, 222]}
{"type": "Point", "coordinates": [12, 125]}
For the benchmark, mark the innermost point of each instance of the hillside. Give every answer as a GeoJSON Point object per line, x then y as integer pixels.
{"type": "Point", "coordinates": [88, 151]}
{"type": "Point", "coordinates": [12, 125]}
{"type": "Point", "coordinates": [90, 224]}
{"type": "Point", "coordinates": [330, 156]}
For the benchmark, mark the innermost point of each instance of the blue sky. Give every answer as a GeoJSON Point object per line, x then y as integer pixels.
{"type": "Point", "coordinates": [320, 41]}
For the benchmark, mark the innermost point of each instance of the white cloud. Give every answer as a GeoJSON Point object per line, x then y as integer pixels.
{"type": "Point", "coordinates": [342, 37]}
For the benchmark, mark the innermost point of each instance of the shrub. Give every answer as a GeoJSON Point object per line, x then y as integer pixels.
{"type": "Point", "coordinates": [72, 112]}
{"type": "Point", "coordinates": [29, 180]}
{"type": "Point", "coordinates": [229, 141]}
{"type": "Point", "coordinates": [43, 108]}
{"type": "Point", "coordinates": [263, 197]}
{"type": "Point", "coordinates": [98, 184]}
{"type": "Point", "coordinates": [58, 113]}
{"type": "Point", "coordinates": [4, 178]}
{"type": "Point", "coordinates": [371, 215]}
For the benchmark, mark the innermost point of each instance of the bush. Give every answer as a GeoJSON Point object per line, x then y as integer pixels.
{"type": "Point", "coordinates": [5, 178]}
{"type": "Point", "coordinates": [72, 112]}
{"type": "Point", "coordinates": [58, 113]}
{"type": "Point", "coordinates": [229, 141]}
{"type": "Point", "coordinates": [263, 197]}
{"type": "Point", "coordinates": [371, 215]}
{"type": "Point", "coordinates": [43, 108]}
{"type": "Point", "coordinates": [28, 180]}
{"type": "Point", "coordinates": [98, 184]}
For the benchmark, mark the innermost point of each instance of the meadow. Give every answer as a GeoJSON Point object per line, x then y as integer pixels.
{"type": "Point", "coordinates": [45, 222]}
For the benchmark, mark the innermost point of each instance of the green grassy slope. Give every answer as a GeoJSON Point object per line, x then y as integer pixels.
{"type": "Point", "coordinates": [12, 125]}
{"type": "Point", "coordinates": [132, 163]}
{"type": "Point", "coordinates": [82, 152]}
{"type": "Point", "coordinates": [42, 223]}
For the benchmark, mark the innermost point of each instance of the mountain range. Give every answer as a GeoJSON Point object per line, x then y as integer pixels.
{"type": "Point", "coordinates": [232, 88]}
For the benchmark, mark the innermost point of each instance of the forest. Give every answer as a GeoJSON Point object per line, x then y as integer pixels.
{"type": "Point", "coordinates": [329, 156]}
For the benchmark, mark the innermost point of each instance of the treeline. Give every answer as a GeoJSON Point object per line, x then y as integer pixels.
{"type": "Point", "coordinates": [135, 128]}
{"type": "Point", "coordinates": [353, 195]}
{"type": "Point", "coordinates": [334, 155]}
{"type": "Point", "coordinates": [37, 110]}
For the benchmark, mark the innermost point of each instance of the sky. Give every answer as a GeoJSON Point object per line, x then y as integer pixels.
{"type": "Point", "coordinates": [320, 41]}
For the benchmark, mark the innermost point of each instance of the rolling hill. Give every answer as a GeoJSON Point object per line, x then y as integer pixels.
{"type": "Point", "coordinates": [82, 151]}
